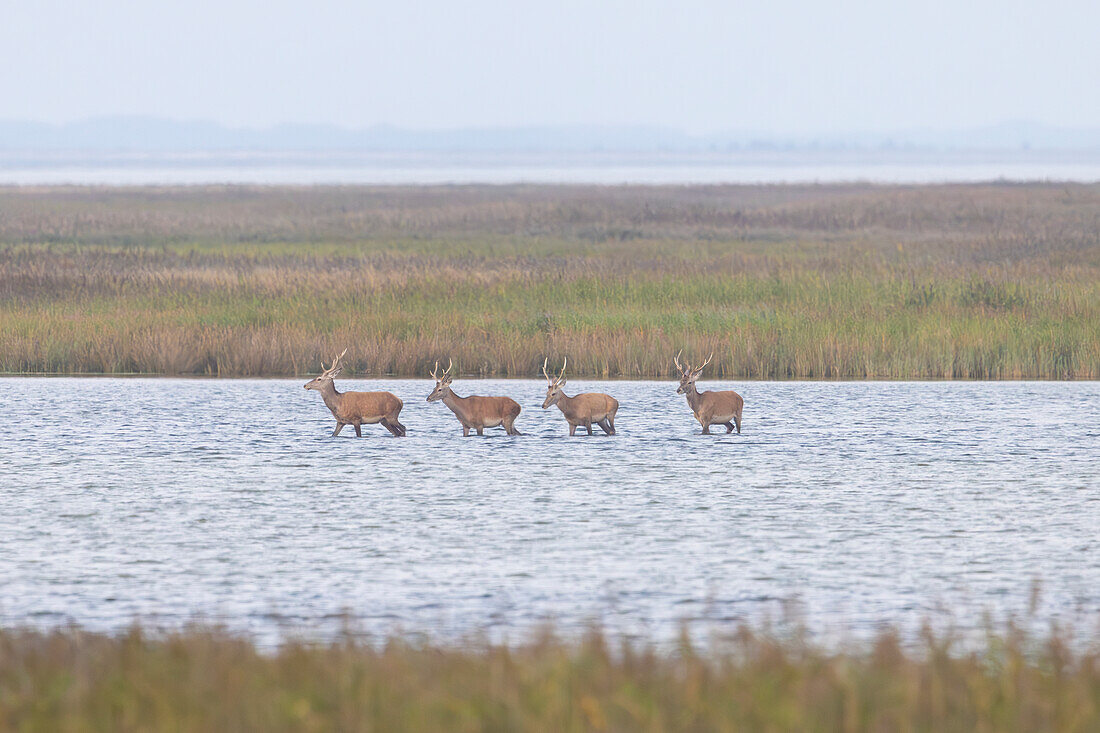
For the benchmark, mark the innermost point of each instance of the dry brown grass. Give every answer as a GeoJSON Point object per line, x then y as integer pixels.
{"type": "Point", "coordinates": [989, 281]}
{"type": "Point", "coordinates": [204, 680]}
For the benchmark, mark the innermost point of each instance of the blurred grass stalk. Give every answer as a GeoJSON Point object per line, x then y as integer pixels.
{"type": "Point", "coordinates": [204, 679]}
{"type": "Point", "coordinates": [781, 282]}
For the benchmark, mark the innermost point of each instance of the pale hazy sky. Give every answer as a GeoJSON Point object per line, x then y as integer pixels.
{"type": "Point", "coordinates": [781, 66]}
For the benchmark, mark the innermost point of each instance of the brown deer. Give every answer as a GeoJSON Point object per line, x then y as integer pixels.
{"type": "Point", "coordinates": [584, 409]}
{"type": "Point", "coordinates": [710, 408]}
{"type": "Point", "coordinates": [475, 413]}
{"type": "Point", "coordinates": [356, 408]}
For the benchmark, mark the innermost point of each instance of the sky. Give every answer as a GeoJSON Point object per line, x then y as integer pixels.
{"type": "Point", "coordinates": [781, 66]}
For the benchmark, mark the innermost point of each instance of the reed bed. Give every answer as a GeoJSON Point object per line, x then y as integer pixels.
{"type": "Point", "coordinates": [880, 282]}
{"type": "Point", "coordinates": [203, 680]}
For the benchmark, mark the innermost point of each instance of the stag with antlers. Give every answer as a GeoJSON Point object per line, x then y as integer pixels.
{"type": "Point", "coordinates": [475, 413]}
{"type": "Point", "coordinates": [582, 410]}
{"type": "Point", "coordinates": [356, 408]}
{"type": "Point", "coordinates": [710, 408]}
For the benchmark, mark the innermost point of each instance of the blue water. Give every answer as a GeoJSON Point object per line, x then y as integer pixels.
{"type": "Point", "coordinates": [854, 504]}
{"type": "Point", "coordinates": [357, 167]}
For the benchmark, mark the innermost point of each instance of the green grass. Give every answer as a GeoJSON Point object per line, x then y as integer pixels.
{"type": "Point", "coordinates": [781, 282]}
{"type": "Point", "coordinates": [207, 680]}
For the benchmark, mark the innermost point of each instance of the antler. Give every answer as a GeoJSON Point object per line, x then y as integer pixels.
{"type": "Point", "coordinates": [553, 380]}
{"type": "Point", "coordinates": [440, 377]}
{"type": "Point", "coordinates": [676, 359]}
{"type": "Point", "coordinates": [334, 368]}
{"type": "Point", "coordinates": [704, 364]}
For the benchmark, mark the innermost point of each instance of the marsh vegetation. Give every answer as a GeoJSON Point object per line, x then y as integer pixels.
{"type": "Point", "coordinates": [839, 281]}
{"type": "Point", "coordinates": [203, 679]}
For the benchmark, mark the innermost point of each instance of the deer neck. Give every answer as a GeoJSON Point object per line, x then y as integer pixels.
{"type": "Point", "coordinates": [564, 403]}
{"type": "Point", "coordinates": [693, 397]}
{"type": "Point", "coordinates": [455, 403]}
{"type": "Point", "coordinates": [331, 396]}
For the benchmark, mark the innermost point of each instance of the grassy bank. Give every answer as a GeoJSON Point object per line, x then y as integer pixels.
{"type": "Point", "coordinates": [982, 281]}
{"type": "Point", "coordinates": [203, 681]}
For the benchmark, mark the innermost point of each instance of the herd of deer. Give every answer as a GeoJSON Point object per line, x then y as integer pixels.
{"type": "Point", "coordinates": [478, 413]}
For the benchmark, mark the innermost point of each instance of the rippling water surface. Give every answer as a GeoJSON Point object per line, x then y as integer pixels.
{"type": "Point", "coordinates": [860, 503]}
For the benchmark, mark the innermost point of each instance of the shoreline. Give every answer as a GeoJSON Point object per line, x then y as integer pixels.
{"type": "Point", "coordinates": [539, 378]}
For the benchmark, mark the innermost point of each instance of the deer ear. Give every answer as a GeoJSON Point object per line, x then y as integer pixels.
{"type": "Point", "coordinates": [562, 382]}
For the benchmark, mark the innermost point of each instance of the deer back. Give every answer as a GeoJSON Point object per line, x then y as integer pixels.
{"type": "Point", "coordinates": [588, 406]}
{"type": "Point", "coordinates": [721, 403]}
{"type": "Point", "coordinates": [481, 408]}
{"type": "Point", "coordinates": [368, 405]}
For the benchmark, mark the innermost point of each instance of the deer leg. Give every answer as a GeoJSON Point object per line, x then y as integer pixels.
{"type": "Point", "coordinates": [729, 428]}
{"type": "Point", "coordinates": [480, 430]}
{"type": "Point", "coordinates": [358, 430]}
{"type": "Point", "coordinates": [611, 424]}
{"type": "Point", "coordinates": [737, 419]}
{"type": "Point", "coordinates": [606, 426]}
{"type": "Point", "coordinates": [588, 427]}
{"type": "Point", "coordinates": [401, 429]}
{"type": "Point", "coordinates": [572, 430]}
{"type": "Point", "coordinates": [706, 426]}
{"type": "Point", "coordinates": [465, 431]}
{"type": "Point", "coordinates": [510, 426]}
{"type": "Point", "coordinates": [339, 427]}
{"type": "Point", "coordinates": [391, 427]}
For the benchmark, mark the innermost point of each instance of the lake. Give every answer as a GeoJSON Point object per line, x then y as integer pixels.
{"type": "Point", "coordinates": [853, 504]}
{"type": "Point", "coordinates": [395, 168]}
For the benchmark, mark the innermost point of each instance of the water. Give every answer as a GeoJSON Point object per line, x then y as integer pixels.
{"type": "Point", "coordinates": [860, 503]}
{"type": "Point", "coordinates": [352, 167]}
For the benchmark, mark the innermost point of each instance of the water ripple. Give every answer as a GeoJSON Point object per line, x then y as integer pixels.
{"type": "Point", "coordinates": [167, 500]}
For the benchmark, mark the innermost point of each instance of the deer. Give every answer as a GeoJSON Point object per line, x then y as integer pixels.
{"type": "Point", "coordinates": [710, 408]}
{"type": "Point", "coordinates": [475, 413]}
{"type": "Point", "coordinates": [356, 408]}
{"type": "Point", "coordinates": [584, 409]}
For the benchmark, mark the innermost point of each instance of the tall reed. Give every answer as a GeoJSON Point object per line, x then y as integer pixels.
{"type": "Point", "coordinates": [204, 680]}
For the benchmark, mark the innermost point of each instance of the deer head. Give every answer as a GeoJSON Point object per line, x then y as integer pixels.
{"type": "Point", "coordinates": [553, 384]}
{"type": "Point", "coordinates": [442, 382]}
{"type": "Point", "coordinates": [688, 375]}
{"type": "Point", "coordinates": [327, 374]}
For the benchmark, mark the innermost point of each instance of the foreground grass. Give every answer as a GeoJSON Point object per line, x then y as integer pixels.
{"type": "Point", "coordinates": [203, 680]}
{"type": "Point", "coordinates": [779, 281]}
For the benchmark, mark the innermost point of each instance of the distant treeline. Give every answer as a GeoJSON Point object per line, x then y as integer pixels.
{"type": "Point", "coordinates": [780, 282]}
